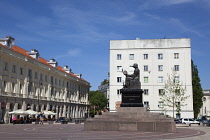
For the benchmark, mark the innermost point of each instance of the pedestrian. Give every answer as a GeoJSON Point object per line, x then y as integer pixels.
{"type": "Point", "coordinates": [41, 118]}
{"type": "Point", "coordinates": [14, 119]}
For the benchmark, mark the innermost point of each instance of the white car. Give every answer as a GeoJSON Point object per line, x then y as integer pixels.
{"type": "Point", "coordinates": [190, 121]}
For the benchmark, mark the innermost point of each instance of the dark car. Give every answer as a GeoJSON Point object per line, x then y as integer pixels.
{"type": "Point", "coordinates": [63, 120]}
{"type": "Point", "coordinates": [177, 121]}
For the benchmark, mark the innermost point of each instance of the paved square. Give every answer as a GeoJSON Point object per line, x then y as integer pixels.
{"type": "Point", "coordinates": [76, 132]}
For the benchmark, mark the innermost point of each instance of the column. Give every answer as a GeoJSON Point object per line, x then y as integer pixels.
{"type": "Point", "coordinates": [68, 112]}
{"type": "Point", "coordinates": [6, 116]}
{"type": "Point", "coordinates": [15, 106]}
{"type": "Point", "coordinates": [60, 111]}
{"type": "Point", "coordinates": [57, 111]}
{"type": "Point", "coordinates": [64, 111]}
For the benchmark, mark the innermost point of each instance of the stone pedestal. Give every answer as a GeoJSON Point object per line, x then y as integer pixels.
{"type": "Point", "coordinates": [131, 98]}
{"type": "Point", "coordinates": [130, 119]}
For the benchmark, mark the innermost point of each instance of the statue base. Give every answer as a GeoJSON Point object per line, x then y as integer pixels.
{"type": "Point", "coordinates": [131, 98]}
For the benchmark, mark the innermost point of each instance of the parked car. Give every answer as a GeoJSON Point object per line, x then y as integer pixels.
{"type": "Point", "coordinates": [177, 121]}
{"type": "Point", "coordinates": [63, 120]}
{"type": "Point", "coordinates": [190, 121]}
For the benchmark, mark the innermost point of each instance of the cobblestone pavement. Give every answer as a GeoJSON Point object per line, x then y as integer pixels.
{"type": "Point", "coordinates": [76, 132]}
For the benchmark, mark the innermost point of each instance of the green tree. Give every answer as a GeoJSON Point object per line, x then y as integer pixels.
{"type": "Point", "coordinates": [174, 94]}
{"type": "Point", "coordinates": [197, 90]}
{"type": "Point", "coordinates": [98, 101]}
{"type": "Point", "coordinates": [105, 82]}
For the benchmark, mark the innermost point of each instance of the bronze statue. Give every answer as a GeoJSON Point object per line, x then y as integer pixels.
{"type": "Point", "coordinates": [132, 80]}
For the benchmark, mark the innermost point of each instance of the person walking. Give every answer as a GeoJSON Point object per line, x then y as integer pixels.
{"type": "Point", "coordinates": [14, 119]}
{"type": "Point", "coordinates": [41, 118]}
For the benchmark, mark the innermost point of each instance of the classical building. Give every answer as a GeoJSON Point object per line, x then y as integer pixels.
{"type": "Point", "coordinates": [28, 81]}
{"type": "Point", "coordinates": [157, 59]}
{"type": "Point", "coordinates": [205, 109]}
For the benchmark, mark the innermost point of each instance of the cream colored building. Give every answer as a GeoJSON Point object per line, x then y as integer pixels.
{"type": "Point", "coordinates": [156, 59]}
{"type": "Point", "coordinates": [205, 109]}
{"type": "Point", "coordinates": [27, 81]}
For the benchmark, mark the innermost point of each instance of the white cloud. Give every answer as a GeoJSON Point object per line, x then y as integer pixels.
{"type": "Point", "coordinates": [184, 28]}
{"type": "Point", "coordinates": [74, 52]}
{"type": "Point", "coordinates": [156, 4]}
{"type": "Point", "coordinates": [70, 53]}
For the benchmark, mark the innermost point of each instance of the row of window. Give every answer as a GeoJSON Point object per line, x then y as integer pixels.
{"type": "Point", "coordinates": [146, 56]}
{"type": "Point", "coordinates": [160, 104]}
{"type": "Point", "coordinates": [146, 68]}
{"type": "Point", "coordinates": [160, 91]}
{"type": "Point", "coordinates": [41, 77]}
{"type": "Point", "coordinates": [146, 79]}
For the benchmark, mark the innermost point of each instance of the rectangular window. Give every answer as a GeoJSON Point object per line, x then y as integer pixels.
{"type": "Point", "coordinates": [119, 56]}
{"type": "Point", "coordinates": [177, 91]}
{"type": "Point", "coordinates": [119, 79]}
{"type": "Point", "coordinates": [6, 66]}
{"type": "Point", "coordinates": [146, 104]}
{"type": "Point", "coordinates": [160, 67]}
{"type": "Point", "coordinates": [118, 91]}
{"type": "Point", "coordinates": [176, 67]}
{"type": "Point", "coordinates": [176, 55]}
{"type": "Point", "coordinates": [29, 73]}
{"type": "Point", "coordinates": [146, 91]}
{"type": "Point", "coordinates": [160, 79]}
{"type": "Point", "coordinates": [52, 81]}
{"type": "Point", "coordinates": [146, 68]}
{"type": "Point", "coordinates": [177, 104]}
{"type": "Point", "coordinates": [161, 92]}
{"type": "Point", "coordinates": [131, 56]}
{"type": "Point", "coordinates": [56, 81]}
{"type": "Point", "coordinates": [119, 68]}
{"type": "Point", "coordinates": [145, 56]}
{"type": "Point", "coordinates": [45, 78]}
{"type": "Point", "coordinates": [13, 69]}
{"type": "Point", "coordinates": [36, 75]}
{"type": "Point", "coordinates": [160, 104]}
{"type": "Point", "coordinates": [41, 77]}
{"type": "Point", "coordinates": [176, 79]}
{"type": "Point", "coordinates": [160, 56]}
{"type": "Point", "coordinates": [21, 71]}
{"type": "Point", "coordinates": [146, 79]}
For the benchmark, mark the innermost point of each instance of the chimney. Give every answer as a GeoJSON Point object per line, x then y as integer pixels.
{"type": "Point", "coordinates": [34, 53]}
{"type": "Point", "coordinates": [53, 63]}
{"type": "Point", "coordinates": [78, 75]}
{"type": "Point", "coordinates": [8, 41]}
{"type": "Point", "coordinates": [66, 69]}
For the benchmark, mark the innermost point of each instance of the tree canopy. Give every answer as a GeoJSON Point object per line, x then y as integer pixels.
{"type": "Point", "coordinates": [174, 94]}
{"type": "Point", "coordinates": [98, 99]}
{"type": "Point", "coordinates": [197, 91]}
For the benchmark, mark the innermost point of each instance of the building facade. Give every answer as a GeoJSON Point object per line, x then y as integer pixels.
{"type": "Point", "coordinates": [104, 88]}
{"type": "Point", "coordinates": [28, 81]}
{"type": "Point", "coordinates": [205, 109]}
{"type": "Point", "coordinates": [157, 59]}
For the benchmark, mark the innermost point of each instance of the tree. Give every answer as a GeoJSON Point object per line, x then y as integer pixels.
{"type": "Point", "coordinates": [97, 100]}
{"type": "Point", "coordinates": [105, 82]}
{"type": "Point", "coordinates": [174, 94]}
{"type": "Point", "coordinates": [197, 90]}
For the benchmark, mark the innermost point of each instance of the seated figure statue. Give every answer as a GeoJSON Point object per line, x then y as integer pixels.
{"type": "Point", "coordinates": [132, 80]}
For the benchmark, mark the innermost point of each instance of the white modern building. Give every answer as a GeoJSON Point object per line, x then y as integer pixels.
{"type": "Point", "coordinates": [156, 58]}
{"type": "Point", "coordinates": [28, 81]}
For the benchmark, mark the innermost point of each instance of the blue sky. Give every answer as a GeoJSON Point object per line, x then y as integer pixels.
{"type": "Point", "coordinates": [77, 32]}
